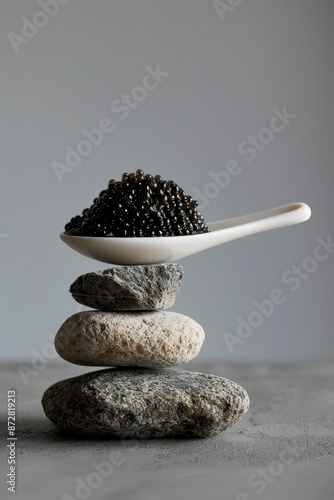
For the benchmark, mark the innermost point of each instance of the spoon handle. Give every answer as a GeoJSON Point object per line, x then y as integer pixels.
{"type": "Point", "coordinates": [274, 218]}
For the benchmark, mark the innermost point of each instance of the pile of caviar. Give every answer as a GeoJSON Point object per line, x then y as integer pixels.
{"type": "Point", "coordinates": [139, 205]}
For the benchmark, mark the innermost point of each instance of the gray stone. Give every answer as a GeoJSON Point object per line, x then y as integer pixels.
{"type": "Point", "coordinates": [156, 339]}
{"type": "Point", "coordinates": [129, 288]}
{"type": "Point", "coordinates": [143, 403]}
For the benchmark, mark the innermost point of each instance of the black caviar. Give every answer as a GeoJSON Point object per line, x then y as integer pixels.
{"type": "Point", "coordinates": [139, 205]}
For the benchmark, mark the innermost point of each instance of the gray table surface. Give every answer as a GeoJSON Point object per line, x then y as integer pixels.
{"type": "Point", "coordinates": [282, 449]}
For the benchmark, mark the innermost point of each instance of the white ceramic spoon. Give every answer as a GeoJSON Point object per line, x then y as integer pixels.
{"type": "Point", "coordinates": [138, 251]}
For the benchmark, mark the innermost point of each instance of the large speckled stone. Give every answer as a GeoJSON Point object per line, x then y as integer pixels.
{"type": "Point", "coordinates": [156, 339]}
{"type": "Point", "coordinates": [143, 403]}
{"type": "Point", "coordinates": [129, 288]}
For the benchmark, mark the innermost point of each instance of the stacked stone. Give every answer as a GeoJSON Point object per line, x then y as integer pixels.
{"type": "Point", "coordinates": [129, 331]}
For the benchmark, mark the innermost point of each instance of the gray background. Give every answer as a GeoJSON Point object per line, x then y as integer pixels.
{"type": "Point", "coordinates": [226, 76]}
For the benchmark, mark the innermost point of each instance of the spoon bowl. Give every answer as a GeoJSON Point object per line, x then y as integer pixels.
{"type": "Point", "coordinates": [152, 250]}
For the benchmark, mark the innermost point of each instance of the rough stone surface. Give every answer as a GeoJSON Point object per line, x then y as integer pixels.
{"type": "Point", "coordinates": [156, 339]}
{"type": "Point", "coordinates": [129, 288]}
{"type": "Point", "coordinates": [143, 403]}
